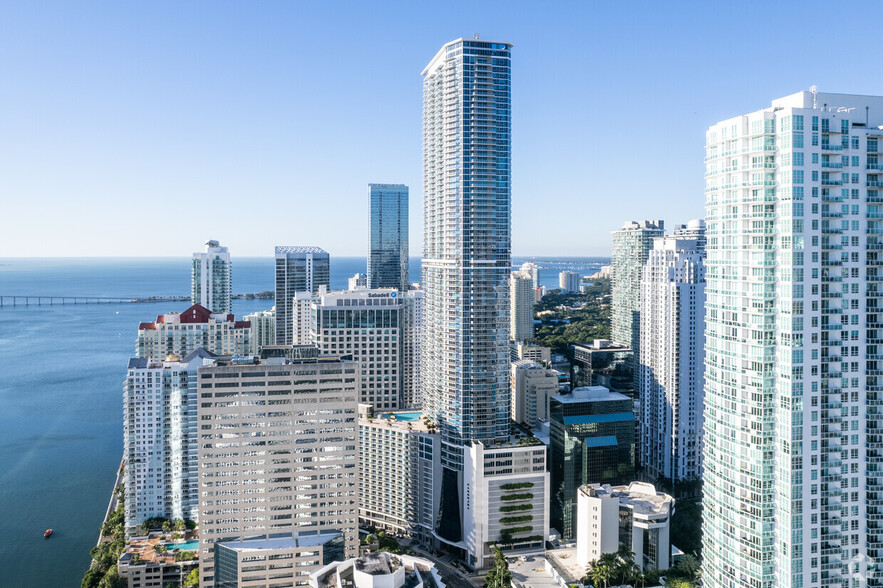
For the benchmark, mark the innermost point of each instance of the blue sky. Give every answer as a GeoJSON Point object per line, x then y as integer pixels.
{"type": "Point", "coordinates": [143, 129]}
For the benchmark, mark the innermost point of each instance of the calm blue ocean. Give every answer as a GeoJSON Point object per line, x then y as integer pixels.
{"type": "Point", "coordinates": [61, 375]}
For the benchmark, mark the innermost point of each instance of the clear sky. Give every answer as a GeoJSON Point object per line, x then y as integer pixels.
{"type": "Point", "coordinates": [146, 128]}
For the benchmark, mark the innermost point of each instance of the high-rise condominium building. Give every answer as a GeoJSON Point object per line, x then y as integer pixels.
{"type": "Point", "coordinates": [413, 337]}
{"type": "Point", "coordinates": [278, 469]}
{"type": "Point", "coordinates": [160, 438]}
{"type": "Point", "coordinates": [695, 229]}
{"type": "Point", "coordinates": [399, 462]}
{"type": "Point", "coordinates": [182, 333]}
{"type": "Point", "coordinates": [671, 367]}
{"type": "Point", "coordinates": [521, 302]}
{"type": "Point", "coordinates": [792, 459]}
{"type": "Point", "coordinates": [388, 258]}
{"type": "Point", "coordinates": [631, 246]}
{"type": "Point", "coordinates": [210, 278]}
{"type": "Point", "coordinates": [534, 271]}
{"type": "Point", "coordinates": [298, 269]}
{"type": "Point", "coordinates": [568, 281]}
{"type": "Point", "coordinates": [263, 329]}
{"type": "Point", "coordinates": [466, 258]}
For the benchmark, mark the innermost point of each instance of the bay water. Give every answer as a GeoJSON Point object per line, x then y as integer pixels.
{"type": "Point", "coordinates": [61, 375]}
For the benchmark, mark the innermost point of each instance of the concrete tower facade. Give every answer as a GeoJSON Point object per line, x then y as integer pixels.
{"type": "Point", "coordinates": [792, 459]}
{"type": "Point", "coordinates": [671, 365]}
{"type": "Point", "coordinates": [210, 283]}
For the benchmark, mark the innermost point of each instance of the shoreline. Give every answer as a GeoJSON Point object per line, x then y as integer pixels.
{"type": "Point", "coordinates": [113, 503]}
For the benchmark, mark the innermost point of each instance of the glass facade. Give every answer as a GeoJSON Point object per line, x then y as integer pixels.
{"type": "Point", "coordinates": [592, 440]}
{"type": "Point", "coordinates": [388, 259]}
{"type": "Point", "coordinates": [631, 247]}
{"type": "Point", "coordinates": [298, 269]}
{"type": "Point", "coordinates": [611, 367]}
{"type": "Point", "coordinates": [467, 151]}
{"type": "Point", "coordinates": [467, 244]}
{"type": "Point", "coordinates": [792, 480]}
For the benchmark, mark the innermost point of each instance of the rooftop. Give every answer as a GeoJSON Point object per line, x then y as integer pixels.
{"type": "Point", "coordinates": [565, 563]}
{"type": "Point", "coordinates": [341, 573]}
{"type": "Point", "coordinates": [590, 394]}
{"type": "Point", "coordinates": [642, 497]}
{"type": "Point", "coordinates": [378, 564]}
{"type": "Point", "coordinates": [283, 249]}
{"type": "Point", "coordinates": [401, 420]}
{"type": "Point", "coordinates": [279, 542]}
{"type": "Point", "coordinates": [601, 345]}
{"type": "Point", "coordinates": [143, 548]}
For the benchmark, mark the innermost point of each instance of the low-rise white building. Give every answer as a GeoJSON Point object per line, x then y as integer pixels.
{"type": "Point", "coordinates": [506, 499]}
{"type": "Point", "coordinates": [378, 570]}
{"type": "Point", "coordinates": [636, 516]}
{"type": "Point", "coordinates": [182, 333]}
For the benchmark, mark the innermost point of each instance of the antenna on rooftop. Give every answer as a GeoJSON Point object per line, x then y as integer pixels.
{"type": "Point", "coordinates": [475, 36]}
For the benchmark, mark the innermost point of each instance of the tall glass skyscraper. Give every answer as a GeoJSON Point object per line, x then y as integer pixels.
{"type": "Point", "coordinates": [298, 269]}
{"type": "Point", "coordinates": [466, 257]}
{"type": "Point", "coordinates": [388, 259]}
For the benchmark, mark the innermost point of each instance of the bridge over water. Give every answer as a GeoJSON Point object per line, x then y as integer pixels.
{"type": "Point", "coordinates": [41, 300]}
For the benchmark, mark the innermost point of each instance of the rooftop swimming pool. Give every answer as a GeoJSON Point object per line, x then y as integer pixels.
{"type": "Point", "coordinates": [185, 546]}
{"type": "Point", "coordinates": [404, 416]}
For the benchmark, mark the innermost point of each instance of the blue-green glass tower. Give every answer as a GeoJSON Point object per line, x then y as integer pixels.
{"type": "Point", "coordinates": [467, 151]}
{"type": "Point", "coordinates": [388, 257]}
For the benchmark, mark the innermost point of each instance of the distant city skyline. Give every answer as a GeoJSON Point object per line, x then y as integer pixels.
{"type": "Point", "coordinates": [148, 110]}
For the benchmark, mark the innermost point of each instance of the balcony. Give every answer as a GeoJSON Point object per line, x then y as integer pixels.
{"type": "Point", "coordinates": [832, 164]}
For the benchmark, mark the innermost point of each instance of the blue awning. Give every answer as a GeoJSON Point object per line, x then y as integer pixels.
{"type": "Point", "coordinates": [605, 441]}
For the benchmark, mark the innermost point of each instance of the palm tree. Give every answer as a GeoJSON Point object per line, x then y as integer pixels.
{"type": "Point", "coordinates": [688, 567]}
{"type": "Point", "coordinates": [600, 571]}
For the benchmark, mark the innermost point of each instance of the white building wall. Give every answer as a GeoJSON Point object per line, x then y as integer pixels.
{"type": "Point", "coordinates": [278, 453]}
{"type": "Point", "coordinates": [670, 368]}
{"type": "Point", "coordinates": [791, 455]}
{"type": "Point", "coordinates": [487, 471]}
{"type": "Point", "coordinates": [263, 329]}
{"type": "Point", "coordinates": [532, 386]}
{"type": "Point", "coordinates": [521, 302]}
{"type": "Point", "coordinates": [159, 440]}
{"type": "Point", "coordinates": [211, 278]}
{"type": "Point", "coordinates": [301, 318]}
